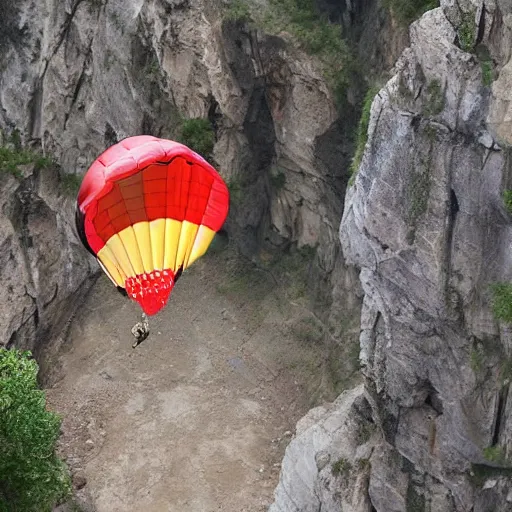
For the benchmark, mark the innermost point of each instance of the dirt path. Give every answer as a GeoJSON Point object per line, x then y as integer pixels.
{"type": "Point", "coordinates": [196, 418]}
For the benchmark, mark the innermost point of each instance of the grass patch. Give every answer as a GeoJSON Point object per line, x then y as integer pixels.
{"type": "Point", "coordinates": [365, 431]}
{"type": "Point", "coordinates": [317, 36]}
{"type": "Point", "coordinates": [341, 467]}
{"type": "Point", "coordinates": [291, 270]}
{"type": "Point", "coordinates": [362, 132]}
{"type": "Point", "coordinates": [487, 72]}
{"type": "Point", "coordinates": [479, 473]}
{"type": "Point", "coordinates": [70, 183]}
{"type": "Point", "coordinates": [311, 30]}
{"type": "Point", "coordinates": [419, 192]}
{"type": "Point", "coordinates": [467, 31]}
{"type": "Point", "coordinates": [495, 454]}
{"type": "Point", "coordinates": [13, 155]}
{"type": "Point", "coordinates": [406, 11]}
{"type": "Point", "coordinates": [507, 199]}
{"type": "Point", "coordinates": [435, 99]}
{"type": "Point", "coordinates": [238, 11]}
{"type": "Point", "coordinates": [502, 301]}
{"type": "Point", "coordinates": [198, 135]}
{"type": "Point", "coordinates": [476, 358]}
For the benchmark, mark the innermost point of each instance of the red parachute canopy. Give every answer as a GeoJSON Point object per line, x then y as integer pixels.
{"type": "Point", "coordinates": [147, 209]}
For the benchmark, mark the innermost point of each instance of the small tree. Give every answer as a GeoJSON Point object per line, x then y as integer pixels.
{"type": "Point", "coordinates": [198, 135]}
{"type": "Point", "coordinates": [32, 477]}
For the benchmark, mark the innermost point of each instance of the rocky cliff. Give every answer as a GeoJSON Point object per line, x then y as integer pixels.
{"type": "Point", "coordinates": [43, 270]}
{"type": "Point", "coordinates": [426, 222]}
{"type": "Point", "coordinates": [78, 76]}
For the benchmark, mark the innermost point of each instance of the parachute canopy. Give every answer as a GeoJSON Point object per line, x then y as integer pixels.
{"type": "Point", "coordinates": [147, 209]}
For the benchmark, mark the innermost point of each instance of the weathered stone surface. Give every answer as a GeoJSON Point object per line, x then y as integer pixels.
{"type": "Point", "coordinates": [339, 437]}
{"type": "Point", "coordinates": [43, 263]}
{"type": "Point", "coordinates": [426, 224]}
{"type": "Point", "coordinates": [77, 77]}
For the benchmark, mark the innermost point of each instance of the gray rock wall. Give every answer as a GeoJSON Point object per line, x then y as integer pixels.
{"type": "Point", "coordinates": [44, 269]}
{"type": "Point", "coordinates": [79, 75]}
{"type": "Point", "coordinates": [426, 223]}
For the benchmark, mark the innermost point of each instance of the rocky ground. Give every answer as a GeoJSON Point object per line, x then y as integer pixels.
{"type": "Point", "coordinates": [197, 417]}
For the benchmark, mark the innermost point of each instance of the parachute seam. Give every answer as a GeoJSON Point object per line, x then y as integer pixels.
{"type": "Point", "coordinates": [149, 228]}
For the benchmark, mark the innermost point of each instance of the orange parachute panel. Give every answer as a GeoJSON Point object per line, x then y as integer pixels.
{"type": "Point", "coordinates": [147, 209]}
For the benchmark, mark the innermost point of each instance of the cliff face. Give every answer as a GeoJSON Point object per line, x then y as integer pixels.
{"type": "Point", "coordinates": [43, 267]}
{"type": "Point", "coordinates": [78, 76]}
{"type": "Point", "coordinates": [426, 223]}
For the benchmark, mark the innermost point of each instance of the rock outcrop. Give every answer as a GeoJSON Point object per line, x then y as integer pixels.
{"type": "Point", "coordinates": [77, 77]}
{"type": "Point", "coordinates": [44, 269]}
{"type": "Point", "coordinates": [426, 223]}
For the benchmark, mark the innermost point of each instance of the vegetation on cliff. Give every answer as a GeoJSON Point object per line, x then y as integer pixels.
{"type": "Point", "coordinates": [32, 477]}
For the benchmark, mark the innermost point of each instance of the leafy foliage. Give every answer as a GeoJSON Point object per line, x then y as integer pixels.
{"type": "Point", "coordinates": [406, 11]}
{"type": "Point", "coordinates": [467, 31]}
{"type": "Point", "coordinates": [311, 30]}
{"type": "Point", "coordinates": [502, 301]}
{"type": "Point", "coordinates": [32, 477]}
{"type": "Point", "coordinates": [341, 467]}
{"type": "Point", "coordinates": [362, 130]}
{"type": "Point", "coordinates": [238, 11]}
{"type": "Point", "coordinates": [507, 199]}
{"type": "Point", "coordinates": [487, 72]}
{"type": "Point", "coordinates": [198, 135]}
{"type": "Point", "coordinates": [316, 35]}
{"type": "Point", "coordinates": [435, 98]}
{"type": "Point", "coordinates": [12, 155]}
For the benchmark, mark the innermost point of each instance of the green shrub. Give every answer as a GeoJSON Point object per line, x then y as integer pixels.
{"type": "Point", "coordinates": [13, 154]}
{"type": "Point", "coordinates": [316, 35]}
{"type": "Point", "coordinates": [507, 199]}
{"type": "Point", "coordinates": [406, 11]}
{"type": "Point", "coordinates": [362, 131]}
{"type": "Point", "coordinates": [32, 477]}
{"type": "Point", "coordinates": [434, 99]}
{"type": "Point", "coordinates": [198, 135]}
{"type": "Point", "coordinates": [70, 183]}
{"type": "Point", "coordinates": [238, 11]}
{"type": "Point", "coordinates": [502, 301]}
{"type": "Point", "coordinates": [487, 72]}
{"type": "Point", "coordinates": [495, 454]}
{"type": "Point", "coordinates": [467, 31]}
{"type": "Point", "coordinates": [341, 467]}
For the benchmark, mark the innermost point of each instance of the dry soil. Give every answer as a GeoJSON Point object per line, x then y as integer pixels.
{"type": "Point", "coordinates": [195, 419]}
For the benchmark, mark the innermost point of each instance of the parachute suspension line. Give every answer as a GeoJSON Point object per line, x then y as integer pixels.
{"type": "Point", "coordinates": [140, 330]}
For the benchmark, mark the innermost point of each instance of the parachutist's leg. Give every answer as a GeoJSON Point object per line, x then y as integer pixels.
{"type": "Point", "coordinates": [140, 331]}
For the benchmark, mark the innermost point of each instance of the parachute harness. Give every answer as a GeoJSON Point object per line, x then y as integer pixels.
{"type": "Point", "coordinates": [140, 330]}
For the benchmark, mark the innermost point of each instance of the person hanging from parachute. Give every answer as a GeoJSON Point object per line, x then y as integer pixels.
{"type": "Point", "coordinates": [147, 209]}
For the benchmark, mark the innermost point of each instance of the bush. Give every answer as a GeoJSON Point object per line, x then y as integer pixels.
{"type": "Point", "coordinates": [502, 301]}
{"type": "Point", "coordinates": [507, 199]}
{"type": "Point", "coordinates": [362, 131]}
{"type": "Point", "coordinates": [32, 477]}
{"type": "Point", "coordinates": [311, 30]}
{"type": "Point", "coordinates": [13, 154]}
{"type": "Point", "coordinates": [238, 11]}
{"type": "Point", "coordinates": [467, 31]}
{"type": "Point", "coordinates": [198, 135]}
{"type": "Point", "coordinates": [406, 11]}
